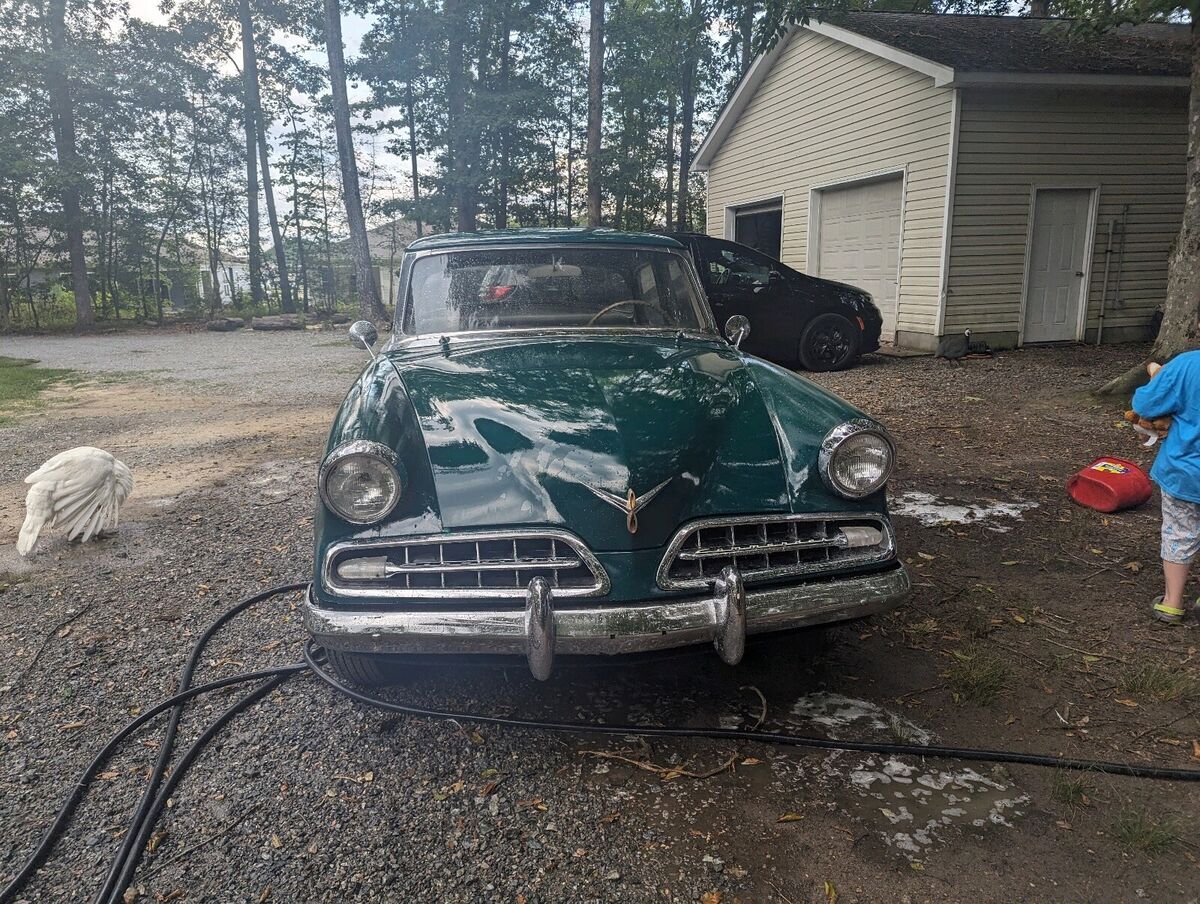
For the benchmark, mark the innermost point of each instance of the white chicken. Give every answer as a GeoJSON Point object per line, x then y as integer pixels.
{"type": "Point", "coordinates": [81, 488]}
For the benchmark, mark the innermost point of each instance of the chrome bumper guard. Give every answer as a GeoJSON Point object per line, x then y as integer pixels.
{"type": "Point", "coordinates": [723, 618]}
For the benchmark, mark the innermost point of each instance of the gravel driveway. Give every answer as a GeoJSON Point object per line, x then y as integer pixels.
{"type": "Point", "coordinates": [310, 797]}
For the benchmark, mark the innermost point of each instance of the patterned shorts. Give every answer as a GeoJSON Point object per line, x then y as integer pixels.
{"type": "Point", "coordinates": [1180, 530]}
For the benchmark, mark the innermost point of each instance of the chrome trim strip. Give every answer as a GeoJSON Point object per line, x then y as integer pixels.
{"type": "Point", "coordinates": [606, 630]}
{"type": "Point", "coordinates": [337, 587]}
{"type": "Point", "coordinates": [873, 554]}
{"type": "Point", "coordinates": [361, 447]}
{"type": "Point", "coordinates": [447, 567]}
{"type": "Point", "coordinates": [838, 435]}
{"type": "Point", "coordinates": [756, 549]}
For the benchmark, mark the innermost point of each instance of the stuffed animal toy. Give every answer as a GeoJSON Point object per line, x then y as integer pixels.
{"type": "Point", "coordinates": [1153, 430]}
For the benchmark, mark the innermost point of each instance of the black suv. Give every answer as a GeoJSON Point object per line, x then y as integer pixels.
{"type": "Point", "coordinates": [795, 319]}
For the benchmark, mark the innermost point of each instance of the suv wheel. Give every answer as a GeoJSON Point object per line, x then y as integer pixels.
{"type": "Point", "coordinates": [829, 342]}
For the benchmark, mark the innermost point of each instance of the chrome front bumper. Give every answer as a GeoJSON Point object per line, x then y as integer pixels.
{"type": "Point", "coordinates": [724, 618]}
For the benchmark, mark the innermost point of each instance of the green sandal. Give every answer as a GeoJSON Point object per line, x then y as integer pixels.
{"type": "Point", "coordinates": [1168, 614]}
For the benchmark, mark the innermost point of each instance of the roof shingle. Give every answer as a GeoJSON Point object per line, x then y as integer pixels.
{"type": "Point", "coordinates": [1021, 44]}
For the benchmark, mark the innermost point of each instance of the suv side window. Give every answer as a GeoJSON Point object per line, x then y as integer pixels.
{"type": "Point", "coordinates": [734, 268]}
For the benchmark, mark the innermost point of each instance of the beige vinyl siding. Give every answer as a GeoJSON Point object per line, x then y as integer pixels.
{"type": "Point", "coordinates": [829, 113]}
{"type": "Point", "coordinates": [1131, 146]}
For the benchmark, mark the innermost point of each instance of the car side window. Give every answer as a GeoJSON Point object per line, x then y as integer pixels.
{"type": "Point", "coordinates": [738, 268]}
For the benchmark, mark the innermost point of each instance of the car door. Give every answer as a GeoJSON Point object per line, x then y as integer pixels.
{"type": "Point", "coordinates": [740, 280]}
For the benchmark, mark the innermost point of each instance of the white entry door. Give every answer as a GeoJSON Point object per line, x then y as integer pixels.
{"type": "Point", "coordinates": [1057, 258]}
{"type": "Point", "coordinates": [859, 241]}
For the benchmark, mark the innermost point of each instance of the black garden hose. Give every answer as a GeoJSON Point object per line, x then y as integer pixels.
{"type": "Point", "coordinates": [969, 754]}
{"type": "Point", "coordinates": [157, 792]}
{"type": "Point", "coordinates": [117, 867]}
{"type": "Point", "coordinates": [84, 780]}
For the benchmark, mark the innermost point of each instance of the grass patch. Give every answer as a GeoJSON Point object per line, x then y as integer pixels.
{"type": "Point", "coordinates": [1139, 831]}
{"type": "Point", "coordinates": [1158, 683]}
{"type": "Point", "coordinates": [21, 383]}
{"type": "Point", "coordinates": [1070, 788]}
{"type": "Point", "coordinates": [976, 676]}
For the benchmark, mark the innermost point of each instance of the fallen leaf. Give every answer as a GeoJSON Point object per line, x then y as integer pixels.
{"type": "Point", "coordinates": [831, 893]}
{"type": "Point", "coordinates": [276, 842]}
{"type": "Point", "coordinates": [1133, 567]}
{"type": "Point", "coordinates": [1195, 749]}
{"type": "Point", "coordinates": [1019, 619]}
{"type": "Point", "coordinates": [926, 556]}
{"type": "Point", "coordinates": [1128, 703]}
{"type": "Point", "coordinates": [490, 788]}
{"type": "Point", "coordinates": [1011, 562]}
{"type": "Point", "coordinates": [751, 761]}
{"type": "Point", "coordinates": [710, 897]}
{"type": "Point", "coordinates": [264, 895]}
{"type": "Point", "coordinates": [68, 726]}
{"type": "Point", "coordinates": [920, 867]}
{"type": "Point", "coordinates": [790, 817]}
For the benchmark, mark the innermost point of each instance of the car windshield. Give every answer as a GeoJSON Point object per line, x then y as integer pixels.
{"type": "Point", "coordinates": [551, 288]}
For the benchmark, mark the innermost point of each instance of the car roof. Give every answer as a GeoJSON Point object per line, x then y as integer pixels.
{"type": "Point", "coordinates": [565, 236]}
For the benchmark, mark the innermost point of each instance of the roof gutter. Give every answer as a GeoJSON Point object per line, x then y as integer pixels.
{"type": "Point", "coordinates": [1063, 80]}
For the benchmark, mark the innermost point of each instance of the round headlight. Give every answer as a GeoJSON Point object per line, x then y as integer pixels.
{"type": "Point", "coordinates": [856, 459]}
{"type": "Point", "coordinates": [360, 481]}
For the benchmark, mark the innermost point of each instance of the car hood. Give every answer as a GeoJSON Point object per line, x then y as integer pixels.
{"type": "Point", "coordinates": [542, 431]}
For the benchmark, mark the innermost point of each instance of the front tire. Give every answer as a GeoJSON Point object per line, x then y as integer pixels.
{"type": "Point", "coordinates": [829, 342]}
{"type": "Point", "coordinates": [367, 670]}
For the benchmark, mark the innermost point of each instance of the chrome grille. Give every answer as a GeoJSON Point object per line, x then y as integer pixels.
{"type": "Point", "coordinates": [457, 566]}
{"type": "Point", "coordinates": [768, 548]}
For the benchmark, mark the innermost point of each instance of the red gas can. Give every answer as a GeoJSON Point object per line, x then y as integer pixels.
{"type": "Point", "coordinates": [1110, 484]}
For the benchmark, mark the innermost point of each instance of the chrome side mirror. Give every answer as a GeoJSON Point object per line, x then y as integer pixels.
{"type": "Point", "coordinates": [737, 328]}
{"type": "Point", "coordinates": [364, 335]}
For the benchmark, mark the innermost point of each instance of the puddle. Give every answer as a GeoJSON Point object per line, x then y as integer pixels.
{"type": "Point", "coordinates": [914, 807]}
{"type": "Point", "coordinates": [930, 510]}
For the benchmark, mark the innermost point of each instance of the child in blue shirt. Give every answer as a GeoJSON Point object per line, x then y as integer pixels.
{"type": "Point", "coordinates": [1174, 392]}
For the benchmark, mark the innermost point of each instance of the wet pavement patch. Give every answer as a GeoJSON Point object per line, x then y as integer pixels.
{"type": "Point", "coordinates": [931, 510]}
{"type": "Point", "coordinates": [913, 806]}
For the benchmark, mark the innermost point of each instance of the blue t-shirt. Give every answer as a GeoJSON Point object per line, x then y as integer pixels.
{"type": "Point", "coordinates": [1175, 392]}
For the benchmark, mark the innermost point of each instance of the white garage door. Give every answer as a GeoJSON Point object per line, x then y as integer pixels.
{"type": "Point", "coordinates": [859, 241]}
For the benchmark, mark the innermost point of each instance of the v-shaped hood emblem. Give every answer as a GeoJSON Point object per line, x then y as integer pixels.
{"type": "Point", "coordinates": [631, 503]}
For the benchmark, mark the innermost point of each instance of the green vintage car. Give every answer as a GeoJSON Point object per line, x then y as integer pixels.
{"type": "Point", "coordinates": [557, 452]}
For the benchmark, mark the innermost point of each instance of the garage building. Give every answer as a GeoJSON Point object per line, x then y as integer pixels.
{"type": "Point", "coordinates": [997, 173]}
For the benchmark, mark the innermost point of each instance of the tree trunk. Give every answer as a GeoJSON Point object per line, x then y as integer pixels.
{"type": "Point", "coordinates": [570, 194]}
{"type": "Point", "coordinates": [368, 292]}
{"type": "Point", "coordinates": [670, 155]}
{"type": "Point", "coordinates": [687, 97]}
{"type": "Point", "coordinates": [595, 110]}
{"type": "Point", "coordinates": [287, 300]}
{"type": "Point", "coordinates": [1180, 330]}
{"type": "Point", "coordinates": [746, 37]}
{"type": "Point", "coordinates": [456, 104]}
{"type": "Point", "coordinates": [412, 147]}
{"type": "Point", "coordinates": [502, 130]}
{"type": "Point", "coordinates": [250, 103]}
{"type": "Point", "coordinates": [63, 115]}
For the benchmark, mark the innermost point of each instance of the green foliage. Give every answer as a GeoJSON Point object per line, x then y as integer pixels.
{"type": "Point", "coordinates": [976, 676]}
{"type": "Point", "coordinates": [1141, 831]}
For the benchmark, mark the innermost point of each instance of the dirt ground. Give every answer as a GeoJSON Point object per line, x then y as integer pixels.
{"type": "Point", "coordinates": [1029, 630]}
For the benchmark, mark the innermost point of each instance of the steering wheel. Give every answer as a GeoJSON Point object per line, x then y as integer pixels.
{"type": "Point", "coordinates": [615, 305]}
